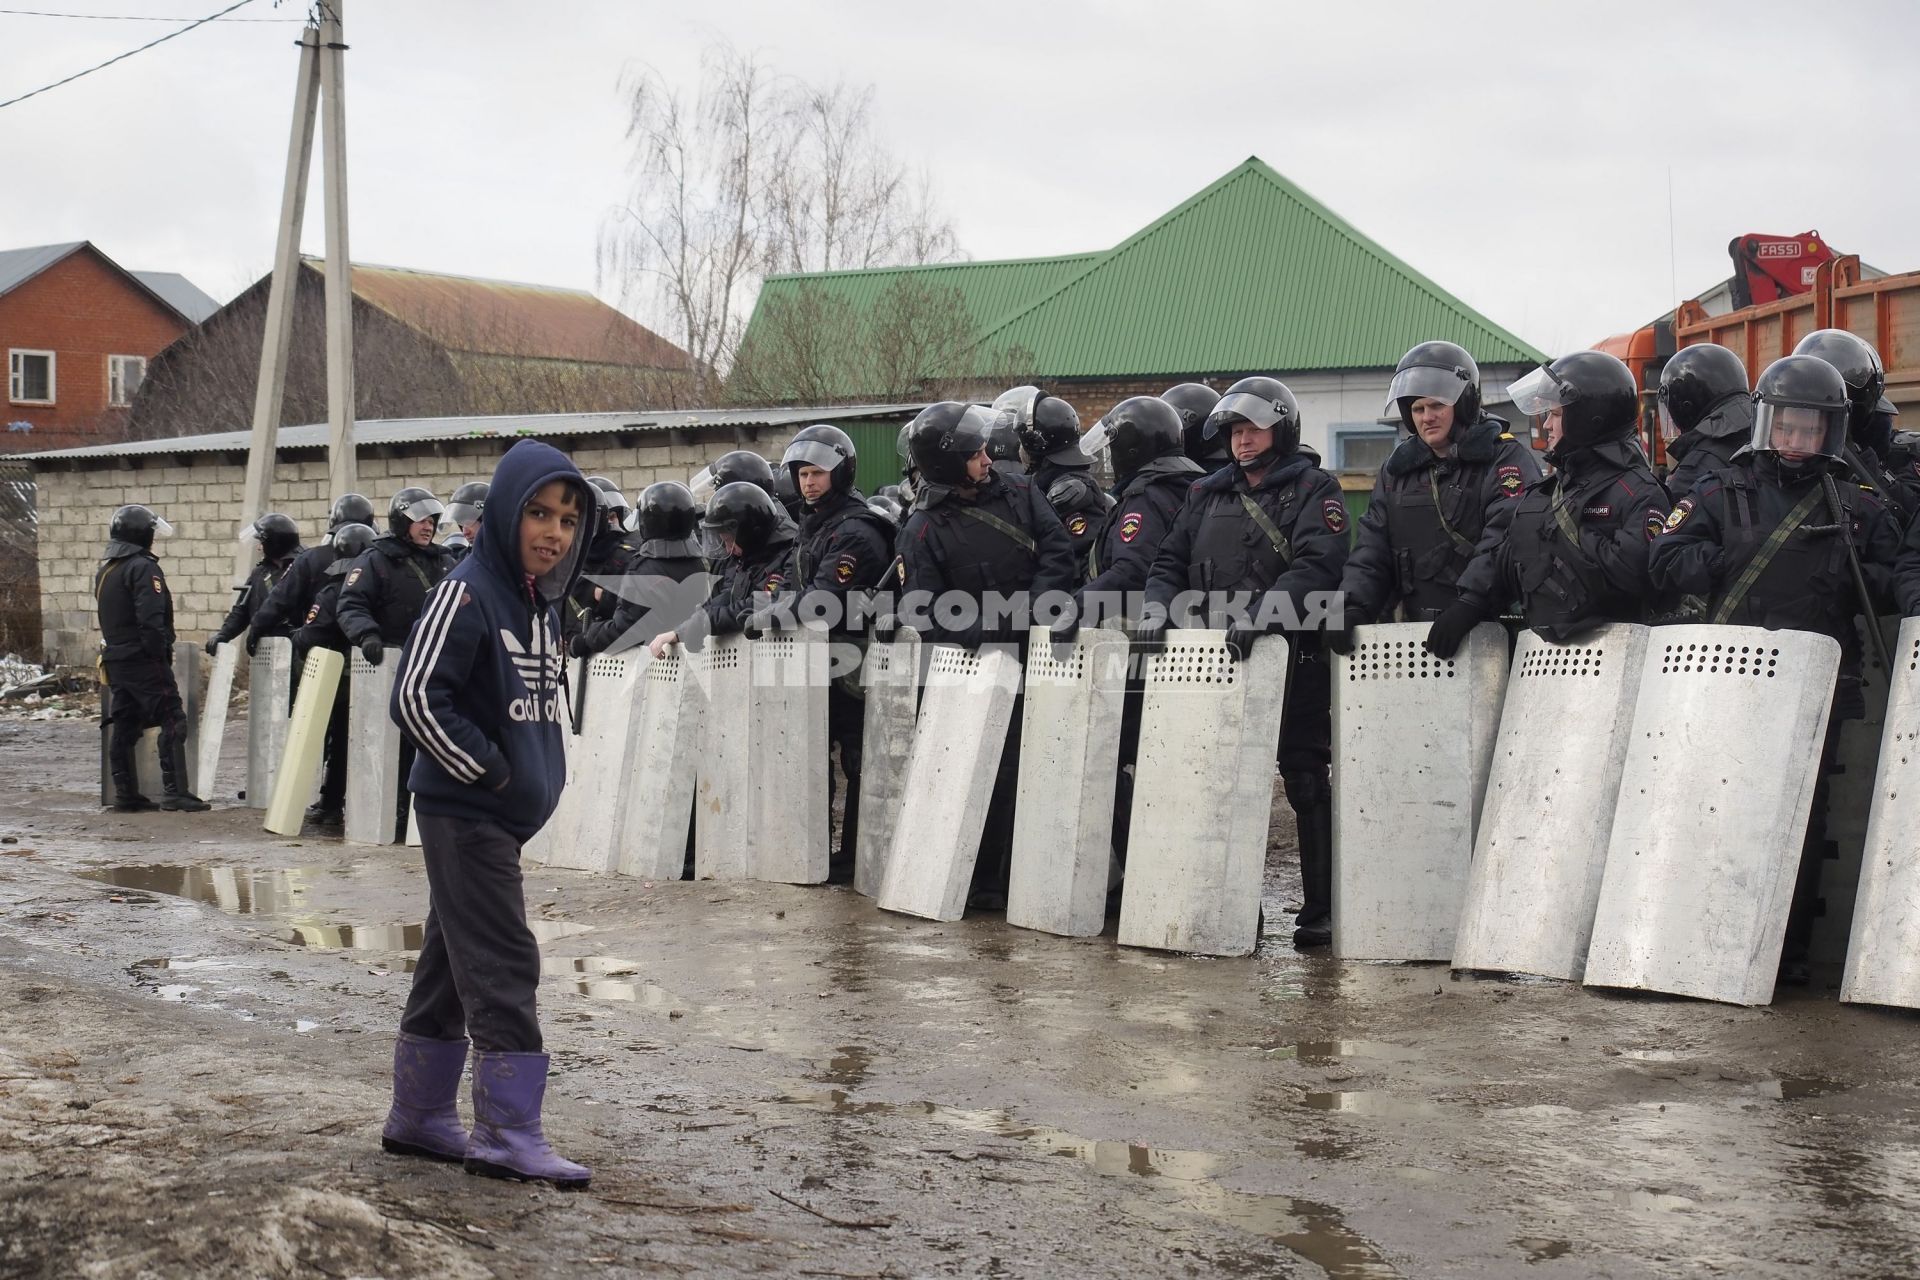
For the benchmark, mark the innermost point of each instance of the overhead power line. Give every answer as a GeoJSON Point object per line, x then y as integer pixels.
{"type": "Point", "coordinates": [128, 54]}
{"type": "Point", "coordinates": [122, 17]}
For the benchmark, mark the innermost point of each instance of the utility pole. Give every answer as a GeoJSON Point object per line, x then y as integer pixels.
{"type": "Point", "coordinates": [321, 74]}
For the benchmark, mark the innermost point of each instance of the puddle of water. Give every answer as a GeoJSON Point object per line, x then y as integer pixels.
{"type": "Point", "coordinates": [175, 993]}
{"type": "Point", "coordinates": [1367, 1102]}
{"type": "Point", "coordinates": [1326, 1053]}
{"type": "Point", "coordinates": [1793, 1088]}
{"type": "Point", "coordinates": [305, 1024]}
{"type": "Point", "coordinates": [241, 891]}
{"type": "Point", "coordinates": [1656, 1055]}
{"type": "Point", "coordinates": [1540, 1249]}
{"type": "Point", "coordinates": [180, 964]}
{"type": "Point", "coordinates": [1655, 1200]}
{"type": "Point", "coordinates": [1314, 1231]}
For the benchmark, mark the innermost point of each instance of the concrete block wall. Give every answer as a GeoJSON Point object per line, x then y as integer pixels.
{"type": "Point", "coordinates": [199, 494]}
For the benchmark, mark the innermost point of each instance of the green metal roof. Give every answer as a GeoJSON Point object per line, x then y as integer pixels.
{"type": "Point", "coordinates": [1251, 273]}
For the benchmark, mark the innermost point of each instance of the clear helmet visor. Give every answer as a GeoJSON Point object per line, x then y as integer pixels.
{"type": "Point", "coordinates": [1539, 393]}
{"type": "Point", "coordinates": [1423, 382]}
{"type": "Point", "coordinates": [1097, 439]}
{"type": "Point", "coordinates": [461, 514]}
{"type": "Point", "coordinates": [1265, 414]}
{"type": "Point", "coordinates": [249, 533]}
{"type": "Point", "coordinates": [161, 529]}
{"type": "Point", "coordinates": [703, 483]}
{"type": "Point", "coordinates": [812, 453]}
{"type": "Point", "coordinates": [1799, 431]}
{"type": "Point", "coordinates": [1669, 429]}
{"type": "Point", "coordinates": [1014, 408]}
{"type": "Point", "coordinates": [425, 509]}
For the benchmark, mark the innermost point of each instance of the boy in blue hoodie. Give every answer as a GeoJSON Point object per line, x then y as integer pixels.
{"type": "Point", "coordinates": [479, 693]}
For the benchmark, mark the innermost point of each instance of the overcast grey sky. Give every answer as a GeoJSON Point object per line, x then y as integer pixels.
{"type": "Point", "coordinates": [1517, 153]}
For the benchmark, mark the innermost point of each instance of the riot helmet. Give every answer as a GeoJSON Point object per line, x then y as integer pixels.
{"type": "Point", "coordinates": [786, 491]}
{"type": "Point", "coordinates": [1003, 443]}
{"type": "Point", "coordinates": [1800, 408]}
{"type": "Point", "coordinates": [409, 507]}
{"type": "Point", "coordinates": [666, 512]}
{"type": "Point", "coordinates": [457, 541]}
{"type": "Point", "coordinates": [741, 466]}
{"type": "Point", "coordinates": [139, 526]}
{"type": "Point", "coordinates": [613, 504]}
{"type": "Point", "coordinates": [1859, 366]}
{"type": "Point", "coordinates": [1436, 371]}
{"type": "Point", "coordinates": [823, 446]}
{"type": "Point", "coordinates": [1594, 392]}
{"type": "Point", "coordinates": [277, 535]}
{"type": "Point", "coordinates": [890, 491]}
{"type": "Point", "coordinates": [1193, 401]}
{"type": "Point", "coordinates": [1136, 431]}
{"type": "Point", "coordinates": [1266, 403]}
{"type": "Point", "coordinates": [468, 503]}
{"type": "Point", "coordinates": [945, 436]}
{"type": "Point", "coordinates": [1695, 382]}
{"type": "Point", "coordinates": [744, 512]}
{"type": "Point", "coordinates": [350, 542]}
{"type": "Point", "coordinates": [1046, 425]}
{"type": "Point", "coordinates": [888, 507]}
{"type": "Point", "coordinates": [350, 508]}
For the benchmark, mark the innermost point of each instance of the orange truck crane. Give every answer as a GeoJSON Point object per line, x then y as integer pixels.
{"type": "Point", "coordinates": [1788, 295]}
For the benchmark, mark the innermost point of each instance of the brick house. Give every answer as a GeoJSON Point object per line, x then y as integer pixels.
{"type": "Point", "coordinates": [425, 345]}
{"type": "Point", "coordinates": [1249, 275]}
{"type": "Point", "coordinates": [78, 330]}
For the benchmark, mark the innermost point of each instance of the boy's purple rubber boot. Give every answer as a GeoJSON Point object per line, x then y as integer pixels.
{"type": "Point", "coordinates": [423, 1120]}
{"type": "Point", "coordinates": [507, 1141]}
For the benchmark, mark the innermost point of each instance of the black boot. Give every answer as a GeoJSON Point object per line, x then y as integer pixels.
{"type": "Point", "coordinates": [1315, 921]}
{"type": "Point", "coordinates": [126, 790]}
{"type": "Point", "coordinates": [173, 778]}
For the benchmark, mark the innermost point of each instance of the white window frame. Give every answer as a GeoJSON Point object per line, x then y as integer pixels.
{"type": "Point", "coordinates": [1339, 434]}
{"type": "Point", "coordinates": [117, 395]}
{"type": "Point", "coordinates": [16, 376]}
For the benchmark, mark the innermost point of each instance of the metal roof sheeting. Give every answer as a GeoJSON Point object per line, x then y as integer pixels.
{"type": "Point", "coordinates": [1251, 273]}
{"type": "Point", "coordinates": [180, 293]}
{"type": "Point", "coordinates": [170, 289]}
{"type": "Point", "coordinates": [991, 290]}
{"type": "Point", "coordinates": [17, 266]}
{"type": "Point", "coordinates": [396, 431]}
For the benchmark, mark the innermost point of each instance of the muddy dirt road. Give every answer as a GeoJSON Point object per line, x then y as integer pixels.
{"type": "Point", "coordinates": [196, 1022]}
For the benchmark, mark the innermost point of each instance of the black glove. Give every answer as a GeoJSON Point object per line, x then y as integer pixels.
{"type": "Point", "coordinates": [253, 643]}
{"type": "Point", "coordinates": [1341, 639]}
{"type": "Point", "coordinates": [578, 646]}
{"type": "Point", "coordinates": [1450, 628]}
{"type": "Point", "coordinates": [213, 645]}
{"type": "Point", "coordinates": [1065, 627]}
{"type": "Point", "coordinates": [1240, 640]}
{"type": "Point", "coordinates": [372, 649]}
{"type": "Point", "coordinates": [1152, 635]}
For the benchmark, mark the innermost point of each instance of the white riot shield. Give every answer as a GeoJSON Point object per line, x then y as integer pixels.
{"type": "Point", "coordinates": [600, 765]}
{"type": "Point", "coordinates": [373, 751]}
{"type": "Point", "coordinates": [186, 678]}
{"type": "Point", "coordinates": [723, 799]}
{"type": "Point", "coordinates": [1203, 795]}
{"type": "Point", "coordinates": [1541, 848]}
{"type": "Point", "coordinates": [1713, 807]}
{"type": "Point", "coordinates": [787, 754]}
{"type": "Point", "coordinates": [1412, 744]}
{"type": "Point", "coordinates": [1883, 951]}
{"type": "Point", "coordinates": [213, 719]}
{"type": "Point", "coordinates": [965, 713]}
{"type": "Point", "coordinates": [269, 689]}
{"type": "Point", "coordinates": [146, 764]}
{"type": "Point", "coordinates": [299, 768]}
{"type": "Point", "coordinates": [658, 808]}
{"type": "Point", "coordinates": [1850, 796]}
{"type": "Point", "coordinates": [1069, 762]}
{"type": "Point", "coordinates": [413, 824]}
{"type": "Point", "coordinates": [558, 831]}
{"type": "Point", "coordinates": [890, 680]}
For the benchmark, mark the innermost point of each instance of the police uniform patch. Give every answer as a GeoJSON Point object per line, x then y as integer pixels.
{"type": "Point", "coordinates": [1076, 524]}
{"type": "Point", "coordinates": [1600, 512]}
{"type": "Point", "coordinates": [353, 576]}
{"type": "Point", "coordinates": [901, 571]}
{"type": "Point", "coordinates": [774, 582]}
{"type": "Point", "coordinates": [1130, 526]}
{"type": "Point", "coordinates": [843, 569]}
{"type": "Point", "coordinates": [1655, 523]}
{"type": "Point", "coordinates": [1678, 516]}
{"type": "Point", "coordinates": [314, 612]}
{"type": "Point", "coordinates": [1510, 480]}
{"type": "Point", "coordinates": [1334, 512]}
{"type": "Point", "coordinates": [159, 587]}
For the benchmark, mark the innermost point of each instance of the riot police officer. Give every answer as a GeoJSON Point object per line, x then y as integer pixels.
{"type": "Point", "coordinates": [1443, 498]}
{"type": "Point", "coordinates": [384, 591]}
{"type": "Point", "coordinates": [1143, 437]}
{"type": "Point", "coordinates": [1273, 524]}
{"type": "Point", "coordinates": [1048, 432]}
{"type": "Point", "coordinates": [760, 575]}
{"type": "Point", "coordinates": [1193, 401]}
{"type": "Point", "coordinates": [465, 509]}
{"type": "Point", "coordinates": [845, 551]}
{"type": "Point", "coordinates": [608, 555]}
{"type": "Point", "coordinates": [1576, 552]}
{"type": "Point", "coordinates": [977, 530]}
{"type": "Point", "coordinates": [292, 596]}
{"type": "Point", "coordinates": [279, 539]}
{"type": "Point", "coordinates": [1776, 541]}
{"type": "Point", "coordinates": [1885, 459]}
{"type": "Point", "coordinates": [667, 555]}
{"type": "Point", "coordinates": [136, 630]}
{"type": "Point", "coordinates": [1706, 413]}
{"type": "Point", "coordinates": [321, 630]}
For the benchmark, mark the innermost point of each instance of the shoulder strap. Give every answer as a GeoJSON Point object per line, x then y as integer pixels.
{"type": "Point", "coordinates": [1268, 527]}
{"type": "Point", "coordinates": [1440, 510]}
{"type": "Point", "coordinates": [1764, 557]}
{"type": "Point", "coordinates": [1013, 532]}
